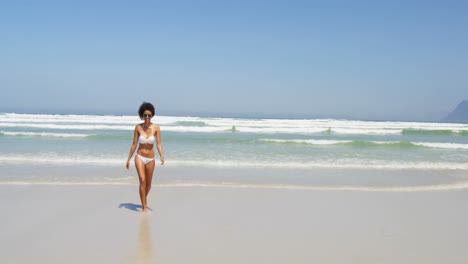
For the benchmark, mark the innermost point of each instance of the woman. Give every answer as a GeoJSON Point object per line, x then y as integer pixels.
{"type": "Point", "coordinates": [145, 134]}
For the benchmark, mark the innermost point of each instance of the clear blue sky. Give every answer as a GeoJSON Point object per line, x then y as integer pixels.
{"type": "Point", "coordinates": [405, 60]}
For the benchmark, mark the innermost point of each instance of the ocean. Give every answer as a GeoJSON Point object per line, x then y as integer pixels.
{"type": "Point", "coordinates": [319, 154]}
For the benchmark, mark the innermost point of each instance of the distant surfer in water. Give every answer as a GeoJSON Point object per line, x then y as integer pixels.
{"type": "Point", "coordinates": [145, 134]}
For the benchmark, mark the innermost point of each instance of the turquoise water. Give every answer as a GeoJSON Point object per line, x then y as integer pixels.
{"type": "Point", "coordinates": [94, 148]}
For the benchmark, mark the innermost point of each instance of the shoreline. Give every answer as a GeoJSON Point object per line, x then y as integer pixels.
{"type": "Point", "coordinates": [244, 178]}
{"type": "Point", "coordinates": [410, 189]}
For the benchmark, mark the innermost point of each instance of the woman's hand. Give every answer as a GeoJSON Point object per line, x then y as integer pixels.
{"type": "Point", "coordinates": [162, 161]}
{"type": "Point", "coordinates": [128, 165]}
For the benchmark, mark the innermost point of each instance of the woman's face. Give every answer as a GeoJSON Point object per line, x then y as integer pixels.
{"type": "Point", "coordinates": [147, 115]}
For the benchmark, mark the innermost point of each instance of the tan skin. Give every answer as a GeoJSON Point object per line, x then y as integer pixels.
{"type": "Point", "coordinates": [145, 172]}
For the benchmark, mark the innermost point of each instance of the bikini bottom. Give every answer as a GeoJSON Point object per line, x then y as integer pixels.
{"type": "Point", "coordinates": [145, 159]}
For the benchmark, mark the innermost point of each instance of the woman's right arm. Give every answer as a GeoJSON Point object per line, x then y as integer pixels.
{"type": "Point", "coordinates": [133, 147]}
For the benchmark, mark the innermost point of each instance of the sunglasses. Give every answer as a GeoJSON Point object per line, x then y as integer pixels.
{"type": "Point", "coordinates": [146, 115]}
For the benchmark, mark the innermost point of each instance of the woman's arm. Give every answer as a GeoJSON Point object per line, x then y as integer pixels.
{"type": "Point", "coordinates": [158, 144]}
{"type": "Point", "coordinates": [133, 147]}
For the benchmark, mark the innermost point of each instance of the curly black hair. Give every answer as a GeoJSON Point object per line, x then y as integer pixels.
{"type": "Point", "coordinates": [145, 106]}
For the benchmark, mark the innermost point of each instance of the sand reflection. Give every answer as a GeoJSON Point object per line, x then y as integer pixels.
{"type": "Point", "coordinates": [144, 254]}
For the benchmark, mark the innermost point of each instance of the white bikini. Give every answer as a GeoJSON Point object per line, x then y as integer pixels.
{"type": "Point", "coordinates": [143, 140]}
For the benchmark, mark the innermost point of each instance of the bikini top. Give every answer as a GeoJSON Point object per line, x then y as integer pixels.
{"type": "Point", "coordinates": [149, 140]}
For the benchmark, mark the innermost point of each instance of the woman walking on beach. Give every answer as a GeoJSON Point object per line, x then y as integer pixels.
{"type": "Point", "coordinates": [145, 134]}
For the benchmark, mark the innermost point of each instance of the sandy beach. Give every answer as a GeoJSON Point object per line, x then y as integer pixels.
{"type": "Point", "coordinates": [102, 224]}
{"type": "Point", "coordinates": [272, 132]}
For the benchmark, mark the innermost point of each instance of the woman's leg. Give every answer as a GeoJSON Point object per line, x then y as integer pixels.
{"type": "Point", "coordinates": [149, 168]}
{"type": "Point", "coordinates": [140, 167]}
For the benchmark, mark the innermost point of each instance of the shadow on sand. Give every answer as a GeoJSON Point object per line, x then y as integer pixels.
{"type": "Point", "coordinates": [132, 206]}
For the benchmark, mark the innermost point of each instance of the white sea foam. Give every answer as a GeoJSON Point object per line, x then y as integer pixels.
{"type": "Point", "coordinates": [71, 119]}
{"type": "Point", "coordinates": [442, 145]}
{"type": "Point", "coordinates": [439, 145]}
{"type": "Point", "coordinates": [176, 124]}
{"type": "Point", "coordinates": [299, 130]}
{"type": "Point", "coordinates": [307, 141]}
{"type": "Point", "coordinates": [366, 131]}
{"type": "Point", "coordinates": [88, 119]}
{"type": "Point", "coordinates": [54, 158]}
{"type": "Point", "coordinates": [67, 127]}
{"type": "Point", "coordinates": [50, 158]}
{"type": "Point", "coordinates": [209, 129]}
{"type": "Point", "coordinates": [336, 164]}
{"type": "Point", "coordinates": [426, 144]}
{"type": "Point", "coordinates": [195, 129]}
{"type": "Point", "coordinates": [44, 134]}
{"type": "Point", "coordinates": [417, 188]}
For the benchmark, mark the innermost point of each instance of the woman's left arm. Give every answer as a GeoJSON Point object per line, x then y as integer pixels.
{"type": "Point", "coordinates": [158, 144]}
